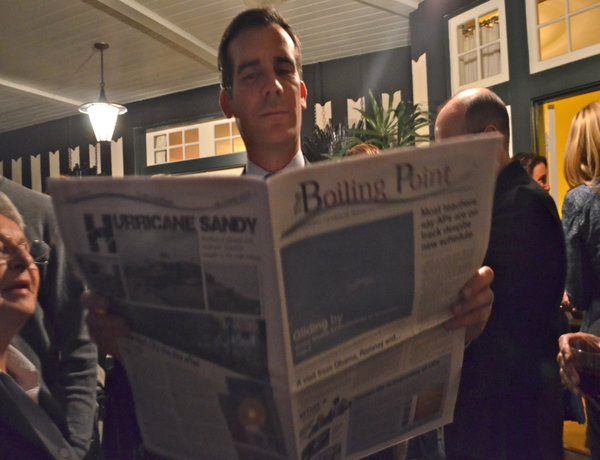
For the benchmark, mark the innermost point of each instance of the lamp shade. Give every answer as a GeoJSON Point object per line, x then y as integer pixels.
{"type": "Point", "coordinates": [103, 116]}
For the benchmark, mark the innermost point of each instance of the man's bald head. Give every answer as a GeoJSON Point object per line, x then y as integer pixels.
{"type": "Point", "coordinates": [474, 111]}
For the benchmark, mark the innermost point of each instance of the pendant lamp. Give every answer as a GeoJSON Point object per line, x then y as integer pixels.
{"type": "Point", "coordinates": [103, 114]}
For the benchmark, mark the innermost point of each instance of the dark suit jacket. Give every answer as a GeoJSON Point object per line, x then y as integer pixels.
{"type": "Point", "coordinates": [55, 338]}
{"type": "Point", "coordinates": [509, 401]}
{"type": "Point", "coordinates": [26, 430]}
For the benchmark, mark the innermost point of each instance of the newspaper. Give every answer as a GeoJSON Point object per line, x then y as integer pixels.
{"type": "Point", "coordinates": [296, 317]}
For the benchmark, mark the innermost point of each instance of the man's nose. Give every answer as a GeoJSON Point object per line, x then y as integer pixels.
{"type": "Point", "coordinates": [272, 84]}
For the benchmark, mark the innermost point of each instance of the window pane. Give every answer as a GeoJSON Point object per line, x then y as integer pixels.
{"type": "Point", "coordinates": [234, 129]}
{"type": "Point", "coordinates": [238, 145]}
{"type": "Point", "coordinates": [553, 40]}
{"type": "Point", "coordinates": [489, 30]}
{"type": "Point", "coordinates": [222, 130]}
{"type": "Point", "coordinates": [466, 36]}
{"type": "Point", "coordinates": [160, 141]}
{"type": "Point", "coordinates": [490, 60]}
{"type": "Point", "coordinates": [575, 5]}
{"type": "Point", "coordinates": [191, 135]}
{"type": "Point", "coordinates": [585, 28]}
{"type": "Point", "coordinates": [222, 147]}
{"type": "Point", "coordinates": [192, 151]}
{"type": "Point", "coordinates": [160, 157]}
{"type": "Point", "coordinates": [176, 138]}
{"type": "Point", "coordinates": [467, 67]}
{"type": "Point", "coordinates": [176, 154]}
{"type": "Point", "coordinates": [550, 9]}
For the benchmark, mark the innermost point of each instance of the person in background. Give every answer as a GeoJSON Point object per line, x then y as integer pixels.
{"type": "Point", "coordinates": [261, 79]}
{"type": "Point", "coordinates": [536, 166]}
{"type": "Point", "coordinates": [55, 338]}
{"type": "Point", "coordinates": [581, 222]}
{"type": "Point", "coordinates": [509, 402]}
{"type": "Point", "coordinates": [363, 149]}
{"type": "Point", "coordinates": [26, 427]}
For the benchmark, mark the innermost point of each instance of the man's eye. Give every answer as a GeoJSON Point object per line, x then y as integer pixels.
{"type": "Point", "coordinates": [249, 76]}
{"type": "Point", "coordinates": [286, 70]}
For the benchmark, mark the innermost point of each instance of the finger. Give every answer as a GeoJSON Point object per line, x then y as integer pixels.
{"type": "Point", "coordinates": [571, 381]}
{"type": "Point", "coordinates": [480, 300]}
{"type": "Point", "coordinates": [473, 317]}
{"type": "Point", "coordinates": [106, 330]}
{"type": "Point", "coordinates": [95, 302]}
{"type": "Point", "coordinates": [478, 282]}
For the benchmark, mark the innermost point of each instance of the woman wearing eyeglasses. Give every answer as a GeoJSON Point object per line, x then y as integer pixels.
{"type": "Point", "coordinates": [26, 429]}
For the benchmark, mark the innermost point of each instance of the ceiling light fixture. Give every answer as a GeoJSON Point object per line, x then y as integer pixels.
{"type": "Point", "coordinates": [103, 114]}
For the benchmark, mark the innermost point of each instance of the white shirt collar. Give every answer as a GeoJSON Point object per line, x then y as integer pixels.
{"type": "Point", "coordinates": [23, 372]}
{"type": "Point", "coordinates": [296, 162]}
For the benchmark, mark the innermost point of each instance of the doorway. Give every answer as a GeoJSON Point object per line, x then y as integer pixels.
{"type": "Point", "coordinates": [553, 120]}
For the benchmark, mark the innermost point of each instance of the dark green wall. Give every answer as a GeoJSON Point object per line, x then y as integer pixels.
{"type": "Point", "coordinates": [429, 34]}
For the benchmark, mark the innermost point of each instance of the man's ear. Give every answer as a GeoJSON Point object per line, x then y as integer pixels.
{"type": "Point", "coordinates": [225, 103]}
{"type": "Point", "coordinates": [303, 93]}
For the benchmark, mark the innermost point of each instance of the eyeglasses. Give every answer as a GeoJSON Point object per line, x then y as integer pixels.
{"type": "Point", "coordinates": [38, 250]}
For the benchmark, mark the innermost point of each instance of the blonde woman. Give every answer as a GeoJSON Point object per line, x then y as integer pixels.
{"type": "Point", "coordinates": [581, 215]}
{"type": "Point", "coordinates": [581, 223]}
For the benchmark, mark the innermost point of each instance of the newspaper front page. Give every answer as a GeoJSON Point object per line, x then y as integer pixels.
{"type": "Point", "coordinates": [297, 317]}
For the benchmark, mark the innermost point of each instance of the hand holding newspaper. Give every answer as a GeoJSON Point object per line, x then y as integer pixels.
{"type": "Point", "coordinates": [297, 317]}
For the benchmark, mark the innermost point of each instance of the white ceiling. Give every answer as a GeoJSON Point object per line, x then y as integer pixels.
{"type": "Point", "coordinates": [48, 65]}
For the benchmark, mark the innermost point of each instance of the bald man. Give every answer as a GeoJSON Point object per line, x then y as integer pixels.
{"type": "Point", "coordinates": [509, 403]}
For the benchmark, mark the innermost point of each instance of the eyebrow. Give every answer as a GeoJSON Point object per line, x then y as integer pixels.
{"type": "Point", "coordinates": [285, 60]}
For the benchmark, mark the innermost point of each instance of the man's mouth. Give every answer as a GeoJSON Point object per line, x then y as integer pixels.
{"type": "Point", "coordinates": [274, 113]}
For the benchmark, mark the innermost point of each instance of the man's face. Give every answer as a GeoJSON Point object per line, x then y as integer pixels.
{"type": "Point", "coordinates": [540, 175]}
{"type": "Point", "coordinates": [267, 96]}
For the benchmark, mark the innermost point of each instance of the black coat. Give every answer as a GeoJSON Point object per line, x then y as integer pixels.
{"type": "Point", "coordinates": [509, 403]}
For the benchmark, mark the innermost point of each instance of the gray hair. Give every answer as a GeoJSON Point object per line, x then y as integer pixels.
{"type": "Point", "coordinates": [10, 211]}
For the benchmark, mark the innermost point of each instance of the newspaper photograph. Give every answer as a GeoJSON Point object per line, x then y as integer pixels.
{"type": "Point", "coordinates": [296, 317]}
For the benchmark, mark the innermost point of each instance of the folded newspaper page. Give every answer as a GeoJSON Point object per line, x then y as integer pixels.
{"type": "Point", "coordinates": [297, 317]}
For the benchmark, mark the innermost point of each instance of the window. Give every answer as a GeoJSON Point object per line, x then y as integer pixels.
{"type": "Point", "coordinates": [478, 50]}
{"type": "Point", "coordinates": [197, 146]}
{"type": "Point", "coordinates": [192, 141]}
{"type": "Point", "coordinates": [561, 31]}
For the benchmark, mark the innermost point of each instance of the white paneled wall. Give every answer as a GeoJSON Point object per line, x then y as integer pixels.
{"type": "Point", "coordinates": [54, 163]}
{"type": "Point", "coordinates": [116, 158]}
{"type": "Point", "coordinates": [420, 92]}
{"type": "Point", "coordinates": [74, 158]}
{"type": "Point", "coordinates": [353, 107]}
{"type": "Point", "coordinates": [36, 173]}
{"type": "Point", "coordinates": [322, 114]}
{"type": "Point", "coordinates": [17, 171]}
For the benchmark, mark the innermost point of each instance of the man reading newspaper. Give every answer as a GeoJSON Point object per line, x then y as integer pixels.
{"type": "Point", "coordinates": [260, 63]}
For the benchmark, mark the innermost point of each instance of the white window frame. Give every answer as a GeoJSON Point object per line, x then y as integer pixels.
{"type": "Point", "coordinates": [537, 65]}
{"type": "Point", "coordinates": [206, 141]}
{"type": "Point", "coordinates": [454, 22]}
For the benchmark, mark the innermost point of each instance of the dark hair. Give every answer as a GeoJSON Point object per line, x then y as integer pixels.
{"type": "Point", "coordinates": [530, 160]}
{"type": "Point", "coordinates": [254, 18]}
{"type": "Point", "coordinates": [484, 109]}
